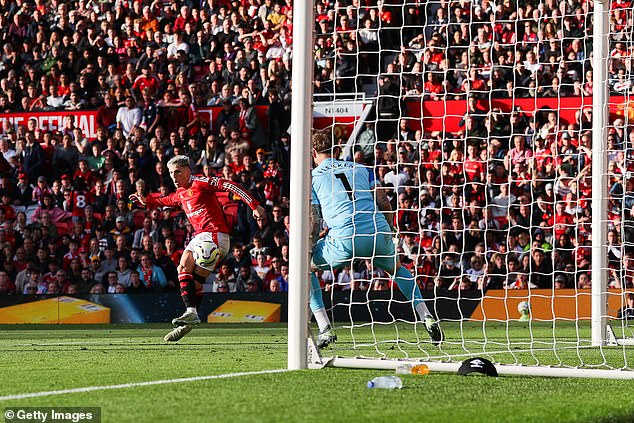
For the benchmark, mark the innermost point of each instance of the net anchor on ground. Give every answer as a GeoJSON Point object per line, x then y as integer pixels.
{"type": "Point", "coordinates": [612, 341]}
{"type": "Point", "coordinates": [313, 357]}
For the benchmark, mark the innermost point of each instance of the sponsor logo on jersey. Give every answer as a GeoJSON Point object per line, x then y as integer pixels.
{"type": "Point", "coordinates": [195, 212]}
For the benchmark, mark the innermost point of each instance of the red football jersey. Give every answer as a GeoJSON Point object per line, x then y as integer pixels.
{"type": "Point", "coordinates": [80, 199]}
{"type": "Point", "coordinates": [200, 204]}
{"type": "Point", "coordinates": [473, 168]}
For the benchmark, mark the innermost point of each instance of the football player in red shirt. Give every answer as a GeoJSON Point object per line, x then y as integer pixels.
{"type": "Point", "coordinates": [195, 196]}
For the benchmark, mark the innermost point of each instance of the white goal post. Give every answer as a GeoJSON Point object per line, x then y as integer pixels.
{"type": "Point", "coordinates": [577, 345]}
{"type": "Point", "coordinates": [301, 124]}
{"type": "Point", "coordinates": [599, 167]}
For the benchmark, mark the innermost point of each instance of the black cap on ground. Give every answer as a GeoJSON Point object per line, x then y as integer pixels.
{"type": "Point", "coordinates": [479, 365]}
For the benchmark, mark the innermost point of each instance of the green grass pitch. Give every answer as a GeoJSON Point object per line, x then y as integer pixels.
{"type": "Point", "coordinates": [49, 358]}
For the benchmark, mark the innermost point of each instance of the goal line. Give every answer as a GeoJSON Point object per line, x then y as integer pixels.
{"type": "Point", "coordinates": [136, 384]}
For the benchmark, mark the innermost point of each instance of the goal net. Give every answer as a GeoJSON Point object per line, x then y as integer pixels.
{"type": "Point", "coordinates": [481, 134]}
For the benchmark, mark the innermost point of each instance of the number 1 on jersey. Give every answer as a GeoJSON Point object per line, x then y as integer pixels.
{"type": "Point", "coordinates": [346, 185]}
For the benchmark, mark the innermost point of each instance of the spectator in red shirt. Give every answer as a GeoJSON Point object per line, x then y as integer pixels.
{"type": "Point", "coordinates": [145, 80]}
{"type": "Point", "coordinates": [274, 272]}
{"type": "Point", "coordinates": [72, 254]}
{"type": "Point", "coordinates": [183, 18]}
{"type": "Point", "coordinates": [193, 117]}
{"type": "Point", "coordinates": [84, 175]}
{"type": "Point", "coordinates": [473, 166]}
{"type": "Point", "coordinates": [474, 83]}
{"type": "Point", "coordinates": [433, 88]}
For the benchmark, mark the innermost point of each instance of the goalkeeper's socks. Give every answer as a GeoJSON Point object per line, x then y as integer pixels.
{"type": "Point", "coordinates": [317, 304]}
{"type": "Point", "coordinates": [423, 311]}
{"type": "Point", "coordinates": [408, 287]}
{"type": "Point", "coordinates": [322, 319]}
{"type": "Point", "coordinates": [316, 299]}
{"type": "Point", "coordinates": [188, 289]}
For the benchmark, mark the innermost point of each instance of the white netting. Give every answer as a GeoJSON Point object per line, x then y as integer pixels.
{"type": "Point", "coordinates": [480, 132]}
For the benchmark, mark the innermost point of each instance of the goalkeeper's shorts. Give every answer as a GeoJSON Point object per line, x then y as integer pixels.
{"type": "Point", "coordinates": [335, 253]}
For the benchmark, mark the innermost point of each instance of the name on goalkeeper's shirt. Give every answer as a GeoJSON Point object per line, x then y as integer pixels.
{"type": "Point", "coordinates": [332, 164]}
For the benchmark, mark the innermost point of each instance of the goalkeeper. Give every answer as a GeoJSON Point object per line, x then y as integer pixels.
{"type": "Point", "coordinates": [342, 197]}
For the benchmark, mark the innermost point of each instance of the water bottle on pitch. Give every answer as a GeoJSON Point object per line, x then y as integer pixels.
{"type": "Point", "coordinates": [386, 382]}
{"type": "Point", "coordinates": [409, 369]}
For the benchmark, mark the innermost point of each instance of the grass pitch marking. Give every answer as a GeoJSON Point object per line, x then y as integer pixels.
{"type": "Point", "coordinates": [135, 384]}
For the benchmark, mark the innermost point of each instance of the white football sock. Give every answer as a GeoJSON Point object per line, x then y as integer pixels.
{"type": "Point", "coordinates": [423, 311]}
{"type": "Point", "coordinates": [192, 310]}
{"type": "Point", "coordinates": [322, 319]}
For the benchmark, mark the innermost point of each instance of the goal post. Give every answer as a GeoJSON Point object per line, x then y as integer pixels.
{"type": "Point", "coordinates": [567, 333]}
{"type": "Point", "coordinates": [600, 121]}
{"type": "Point", "coordinates": [301, 124]}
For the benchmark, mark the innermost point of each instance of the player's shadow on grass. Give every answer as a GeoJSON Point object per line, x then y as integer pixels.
{"type": "Point", "coordinates": [625, 418]}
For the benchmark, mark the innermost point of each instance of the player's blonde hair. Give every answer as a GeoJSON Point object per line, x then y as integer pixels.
{"type": "Point", "coordinates": [178, 161]}
{"type": "Point", "coordinates": [322, 141]}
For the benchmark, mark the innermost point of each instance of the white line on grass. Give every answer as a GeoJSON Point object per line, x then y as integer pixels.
{"type": "Point", "coordinates": [135, 384]}
{"type": "Point", "coordinates": [64, 343]}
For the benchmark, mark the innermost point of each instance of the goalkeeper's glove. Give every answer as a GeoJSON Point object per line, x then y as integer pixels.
{"type": "Point", "coordinates": [396, 239]}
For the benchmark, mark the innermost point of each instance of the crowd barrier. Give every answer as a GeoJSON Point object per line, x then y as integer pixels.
{"type": "Point", "coordinates": [379, 306]}
{"type": "Point", "coordinates": [447, 115]}
{"type": "Point", "coordinates": [87, 119]}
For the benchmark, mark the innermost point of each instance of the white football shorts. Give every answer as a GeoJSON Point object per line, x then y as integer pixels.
{"type": "Point", "coordinates": [222, 241]}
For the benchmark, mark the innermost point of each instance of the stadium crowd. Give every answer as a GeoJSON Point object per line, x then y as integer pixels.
{"type": "Point", "coordinates": [504, 203]}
